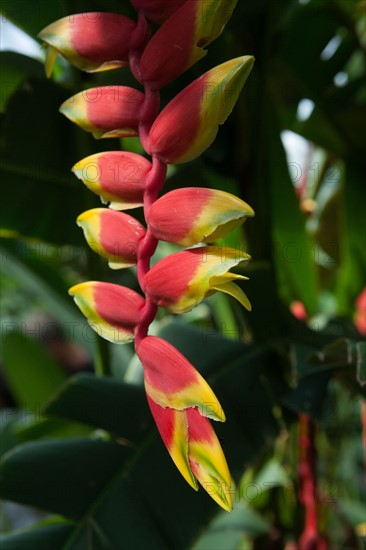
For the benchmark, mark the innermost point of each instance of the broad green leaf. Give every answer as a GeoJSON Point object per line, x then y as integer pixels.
{"type": "Point", "coordinates": [60, 476]}
{"type": "Point", "coordinates": [361, 363]}
{"type": "Point", "coordinates": [292, 246]}
{"type": "Point", "coordinates": [227, 530]}
{"type": "Point", "coordinates": [123, 401]}
{"type": "Point", "coordinates": [41, 197]}
{"type": "Point", "coordinates": [351, 277]}
{"type": "Point", "coordinates": [33, 376]}
{"type": "Point", "coordinates": [35, 272]}
{"type": "Point", "coordinates": [15, 67]}
{"type": "Point", "coordinates": [32, 16]}
{"type": "Point", "coordinates": [40, 538]}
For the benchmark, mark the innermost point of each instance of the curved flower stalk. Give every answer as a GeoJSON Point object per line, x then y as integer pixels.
{"type": "Point", "coordinates": [181, 401]}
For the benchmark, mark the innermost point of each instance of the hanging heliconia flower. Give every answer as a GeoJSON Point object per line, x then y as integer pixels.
{"type": "Point", "coordinates": [181, 401]}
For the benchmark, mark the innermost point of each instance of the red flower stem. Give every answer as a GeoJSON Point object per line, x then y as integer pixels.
{"type": "Point", "coordinates": [148, 114]}
{"type": "Point", "coordinates": [156, 177]}
{"type": "Point", "coordinates": [138, 41]}
{"type": "Point", "coordinates": [154, 182]}
{"type": "Point", "coordinates": [307, 492]}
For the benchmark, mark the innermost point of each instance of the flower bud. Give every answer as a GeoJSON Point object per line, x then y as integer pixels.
{"type": "Point", "coordinates": [192, 215]}
{"type": "Point", "coordinates": [96, 41]}
{"type": "Point", "coordinates": [172, 381]}
{"type": "Point", "coordinates": [188, 125]}
{"type": "Point", "coordinates": [107, 111]}
{"type": "Point", "coordinates": [182, 280]}
{"type": "Point", "coordinates": [117, 177]}
{"type": "Point", "coordinates": [195, 450]}
{"type": "Point", "coordinates": [180, 41]}
{"type": "Point", "coordinates": [113, 235]}
{"type": "Point", "coordinates": [113, 311]}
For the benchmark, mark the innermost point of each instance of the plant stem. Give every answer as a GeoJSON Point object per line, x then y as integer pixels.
{"type": "Point", "coordinates": [155, 179]}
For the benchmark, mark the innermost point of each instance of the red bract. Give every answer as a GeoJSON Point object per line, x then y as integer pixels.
{"type": "Point", "coordinates": [95, 41]}
{"type": "Point", "coordinates": [108, 111]}
{"type": "Point", "coordinates": [117, 177]}
{"type": "Point", "coordinates": [113, 235]}
{"type": "Point", "coordinates": [190, 122]}
{"type": "Point", "coordinates": [113, 311]}
{"type": "Point", "coordinates": [196, 214]}
{"type": "Point", "coordinates": [180, 41]}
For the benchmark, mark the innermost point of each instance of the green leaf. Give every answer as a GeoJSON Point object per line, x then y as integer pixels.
{"type": "Point", "coordinates": [36, 160]}
{"type": "Point", "coordinates": [293, 246]}
{"type": "Point", "coordinates": [361, 363]}
{"type": "Point", "coordinates": [228, 529]}
{"type": "Point", "coordinates": [35, 274]}
{"type": "Point", "coordinates": [39, 146]}
{"type": "Point", "coordinates": [40, 538]}
{"type": "Point", "coordinates": [351, 276]}
{"type": "Point", "coordinates": [15, 67]}
{"type": "Point", "coordinates": [32, 17]}
{"type": "Point", "coordinates": [59, 475]}
{"type": "Point", "coordinates": [123, 401]}
{"type": "Point", "coordinates": [31, 373]}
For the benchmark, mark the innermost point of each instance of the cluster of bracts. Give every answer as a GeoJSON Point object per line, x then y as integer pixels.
{"type": "Point", "coordinates": [180, 400]}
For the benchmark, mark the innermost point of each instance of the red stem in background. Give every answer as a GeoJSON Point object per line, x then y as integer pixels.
{"type": "Point", "coordinates": [363, 423]}
{"type": "Point", "coordinates": [309, 539]}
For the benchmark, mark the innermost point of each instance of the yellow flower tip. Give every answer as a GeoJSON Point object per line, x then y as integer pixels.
{"type": "Point", "coordinates": [232, 75]}
{"type": "Point", "coordinates": [76, 289]}
{"type": "Point", "coordinates": [72, 107]}
{"type": "Point", "coordinates": [51, 54]}
{"type": "Point", "coordinates": [207, 459]}
{"type": "Point", "coordinates": [219, 493]}
{"type": "Point", "coordinates": [84, 217]}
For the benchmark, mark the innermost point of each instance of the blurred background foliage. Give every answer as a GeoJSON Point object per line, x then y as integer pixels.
{"type": "Point", "coordinates": [80, 454]}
